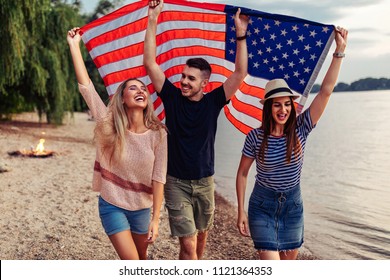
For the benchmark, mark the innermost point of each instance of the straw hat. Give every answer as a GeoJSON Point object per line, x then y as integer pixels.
{"type": "Point", "coordinates": [277, 88]}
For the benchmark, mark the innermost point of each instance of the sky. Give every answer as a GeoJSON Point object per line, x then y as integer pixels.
{"type": "Point", "coordinates": [368, 49]}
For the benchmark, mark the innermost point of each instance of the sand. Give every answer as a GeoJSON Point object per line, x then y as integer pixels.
{"type": "Point", "coordinates": [49, 212]}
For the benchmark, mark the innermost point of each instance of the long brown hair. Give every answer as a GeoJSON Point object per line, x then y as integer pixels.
{"type": "Point", "coordinates": [267, 125]}
{"type": "Point", "coordinates": [110, 132]}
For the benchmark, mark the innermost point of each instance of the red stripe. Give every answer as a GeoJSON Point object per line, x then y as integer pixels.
{"type": "Point", "coordinates": [238, 124]}
{"type": "Point", "coordinates": [122, 183]}
{"type": "Point", "coordinates": [249, 109]}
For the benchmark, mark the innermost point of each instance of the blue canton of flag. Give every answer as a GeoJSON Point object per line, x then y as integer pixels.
{"type": "Point", "coordinates": [282, 47]}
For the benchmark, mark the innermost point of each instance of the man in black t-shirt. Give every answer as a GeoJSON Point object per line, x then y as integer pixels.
{"type": "Point", "coordinates": [191, 118]}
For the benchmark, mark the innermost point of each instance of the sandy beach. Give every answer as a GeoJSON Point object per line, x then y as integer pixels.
{"type": "Point", "coordinates": [48, 210]}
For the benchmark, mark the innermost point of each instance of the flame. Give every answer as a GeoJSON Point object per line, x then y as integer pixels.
{"type": "Point", "coordinates": [40, 149]}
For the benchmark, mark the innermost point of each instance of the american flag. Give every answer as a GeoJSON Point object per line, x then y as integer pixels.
{"type": "Point", "coordinates": [279, 46]}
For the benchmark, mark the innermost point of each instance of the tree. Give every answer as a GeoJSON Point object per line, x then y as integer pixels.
{"type": "Point", "coordinates": [35, 63]}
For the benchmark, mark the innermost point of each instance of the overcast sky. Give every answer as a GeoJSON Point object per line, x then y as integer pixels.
{"type": "Point", "coordinates": [368, 21]}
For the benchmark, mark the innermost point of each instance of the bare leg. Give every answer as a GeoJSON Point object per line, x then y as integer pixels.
{"type": "Point", "coordinates": [141, 243]}
{"type": "Point", "coordinates": [124, 245]}
{"type": "Point", "coordinates": [268, 255]}
{"type": "Point", "coordinates": [188, 248]}
{"type": "Point", "coordinates": [201, 244]}
{"type": "Point", "coordinates": [289, 255]}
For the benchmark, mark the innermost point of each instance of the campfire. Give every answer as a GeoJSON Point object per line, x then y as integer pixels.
{"type": "Point", "coordinates": [39, 151]}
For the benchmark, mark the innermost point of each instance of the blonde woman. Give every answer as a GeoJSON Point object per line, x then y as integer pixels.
{"type": "Point", "coordinates": [131, 160]}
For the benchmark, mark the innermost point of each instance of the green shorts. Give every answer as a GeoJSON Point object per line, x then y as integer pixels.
{"type": "Point", "coordinates": [190, 205]}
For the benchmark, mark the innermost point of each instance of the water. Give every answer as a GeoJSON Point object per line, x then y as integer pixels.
{"type": "Point", "coordinates": [345, 178]}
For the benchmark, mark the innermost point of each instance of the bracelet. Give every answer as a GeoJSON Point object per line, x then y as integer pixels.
{"type": "Point", "coordinates": [339, 55]}
{"type": "Point", "coordinates": [241, 38]}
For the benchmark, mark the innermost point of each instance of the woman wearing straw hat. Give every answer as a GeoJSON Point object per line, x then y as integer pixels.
{"type": "Point", "coordinates": [275, 212]}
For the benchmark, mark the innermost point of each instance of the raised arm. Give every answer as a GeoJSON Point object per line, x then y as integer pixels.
{"type": "Point", "coordinates": [319, 103]}
{"type": "Point", "coordinates": [74, 39]}
{"type": "Point", "coordinates": [234, 81]}
{"type": "Point", "coordinates": [153, 70]}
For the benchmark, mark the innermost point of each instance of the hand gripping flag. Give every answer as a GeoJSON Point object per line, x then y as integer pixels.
{"type": "Point", "coordinates": [279, 46]}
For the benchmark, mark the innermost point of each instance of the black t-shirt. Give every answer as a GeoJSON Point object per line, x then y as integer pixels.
{"type": "Point", "coordinates": [192, 127]}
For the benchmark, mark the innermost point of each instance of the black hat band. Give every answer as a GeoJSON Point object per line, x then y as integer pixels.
{"type": "Point", "coordinates": [277, 90]}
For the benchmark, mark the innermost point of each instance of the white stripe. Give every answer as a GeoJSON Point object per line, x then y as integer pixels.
{"type": "Point", "coordinates": [180, 8]}
{"type": "Point", "coordinates": [114, 24]}
{"type": "Point", "coordinates": [246, 119]}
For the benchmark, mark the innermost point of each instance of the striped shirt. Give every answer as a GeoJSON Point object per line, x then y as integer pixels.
{"type": "Point", "coordinates": [275, 173]}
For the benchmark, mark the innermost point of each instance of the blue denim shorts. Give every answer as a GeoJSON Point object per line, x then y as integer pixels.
{"type": "Point", "coordinates": [115, 219]}
{"type": "Point", "coordinates": [276, 219]}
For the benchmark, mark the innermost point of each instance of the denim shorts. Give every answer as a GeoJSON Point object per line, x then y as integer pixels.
{"type": "Point", "coordinates": [115, 219]}
{"type": "Point", "coordinates": [276, 219]}
{"type": "Point", "coordinates": [190, 205]}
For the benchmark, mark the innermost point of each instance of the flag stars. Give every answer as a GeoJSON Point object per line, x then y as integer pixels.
{"type": "Point", "coordinates": [290, 42]}
{"type": "Point", "coordinates": [325, 29]}
{"type": "Point", "coordinates": [272, 69]}
{"type": "Point", "coordinates": [232, 40]}
{"type": "Point", "coordinates": [307, 47]}
{"type": "Point", "coordinates": [296, 74]}
{"type": "Point", "coordinates": [285, 55]}
{"type": "Point", "coordinates": [233, 28]}
{"type": "Point", "coordinates": [256, 65]}
{"type": "Point", "coordinates": [265, 61]}
{"type": "Point", "coordinates": [283, 32]}
{"type": "Point", "coordinates": [277, 22]}
{"type": "Point", "coordinates": [319, 43]}
{"type": "Point", "coordinates": [295, 28]}
{"type": "Point", "coordinates": [267, 27]}
{"type": "Point", "coordinates": [302, 81]}
{"type": "Point", "coordinates": [263, 40]}
{"type": "Point", "coordinates": [273, 36]}
{"type": "Point", "coordinates": [268, 50]}
{"type": "Point", "coordinates": [279, 46]}
{"type": "Point", "coordinates": [250, 56]}
{"type": "Point", "coordinates": [250, 21]}
{"type": "Point", "coordinates": [313, 57]}
{"type": "Point", "coordinates": [286, 76]}
{"type": "Point", "coordinates": [291, 64]}
{"type": "Point", "coordinates": [260, 52]}
{"type": "Point", "coordinates": [231, 52]}
{"type": "Point", "coordinates": [301, 38]}
{"type": "Point", "coordinates": [302, 60]}
{"type": "Point", "coordinates": [281, 67]}
{"type": "Point", "coordinates": [275, 58]}
{"type": "Point", "coordinates": [313, 33]}
{"type": "Point", "coordinates": [306, 25]}
{"type": "Point", "coordinates": [254, 43]}
{"type": "Point", "coordinates": [307, 70]}
{"type": "Point", "coordinates": [257, 30]}
{"type": "Point", "coordinates": [296, 52]}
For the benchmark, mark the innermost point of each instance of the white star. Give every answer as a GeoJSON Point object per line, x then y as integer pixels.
{"type": "Point", "coordinates": [296, 51]}
{"type": "Point", "coordinates": [285, 55]}
{"type": "Point", "coordinates": [307, 70]}
{"type": "Point", "coordinates": [249, 33]}
{"type": "Point", "coordinates": [275, 58]}
{"type": "Point", "coordinates": [267, 27]}
{"type": "Point", "coordinates": [313, 57]}
{"type": "Point", "coordinates": [301, 38]}
{"type": "Point", "coordinates": [307, 47]}
{"type": "Point", "coordinates": [290, 42]}
{"type": "Point", "coordinates": [287, 76]}
{"type": "Point", "coordinates": [232, 40]}
{"type": "Point", "coordinates": [277, 23]}
{"type": "Point", "coordinates": [269, 50]}
{"type": "Point", "coordinates": [250, 21]}
{"type": "Point", "coordinates": [283, 32]}
{"type": "Point", "coordinates": [257, 31]}
{"type": "Point", "coordinates": [306, 25]}
{"type": "Point", "coordinates": [325, 29]}
{"type": "Point", "coordinates": [263, 40]}
{"type": "Point", "coordinates": [313, 33]}
{"type": "Point", "coordinates": [231, 51]}
{"type": "Point", "coordinates": [260, 52]}
{"type": "Point", "coordinates": [254, 43]}
{"type": "Point", "coordinates": [291, 64]}
{"type": "Point", "coordinates": [250, 56]}
{"type": "Point", "coordinates": [256, 65]}
{"type": "Point", "coordinates": [233, 28]}
{"type": "Point", "coordinates": [279, 46]}
{"type": "Point", "coordinates": [302, 60]}
{"type": "Point", "coordinates": [272, 69]}
{"type": "Point", "coordinates": [296, 74]}
{"type": "Point", "coordinates": [319, 43]}
{"type": "Point", "coordinates": [273, 36]}
{"type": "Point", "coordinates": [281, 67]}
{"type": "Point", "coordinates": [295, 28]}
{"type": "Point", "coordinates": [265, 61]}
{"type": "Point", "coordinates": [302, 81]}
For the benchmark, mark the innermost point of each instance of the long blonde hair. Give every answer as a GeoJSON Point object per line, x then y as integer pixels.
{"type": "Point", "coordinates": [110, 131]}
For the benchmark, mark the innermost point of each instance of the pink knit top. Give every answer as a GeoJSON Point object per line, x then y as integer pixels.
{"type": "Point", "coordinates": [128, 184]}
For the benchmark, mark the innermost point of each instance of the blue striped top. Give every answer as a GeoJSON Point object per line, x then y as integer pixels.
{"type": "Point", "coordinates": [275, 173]}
